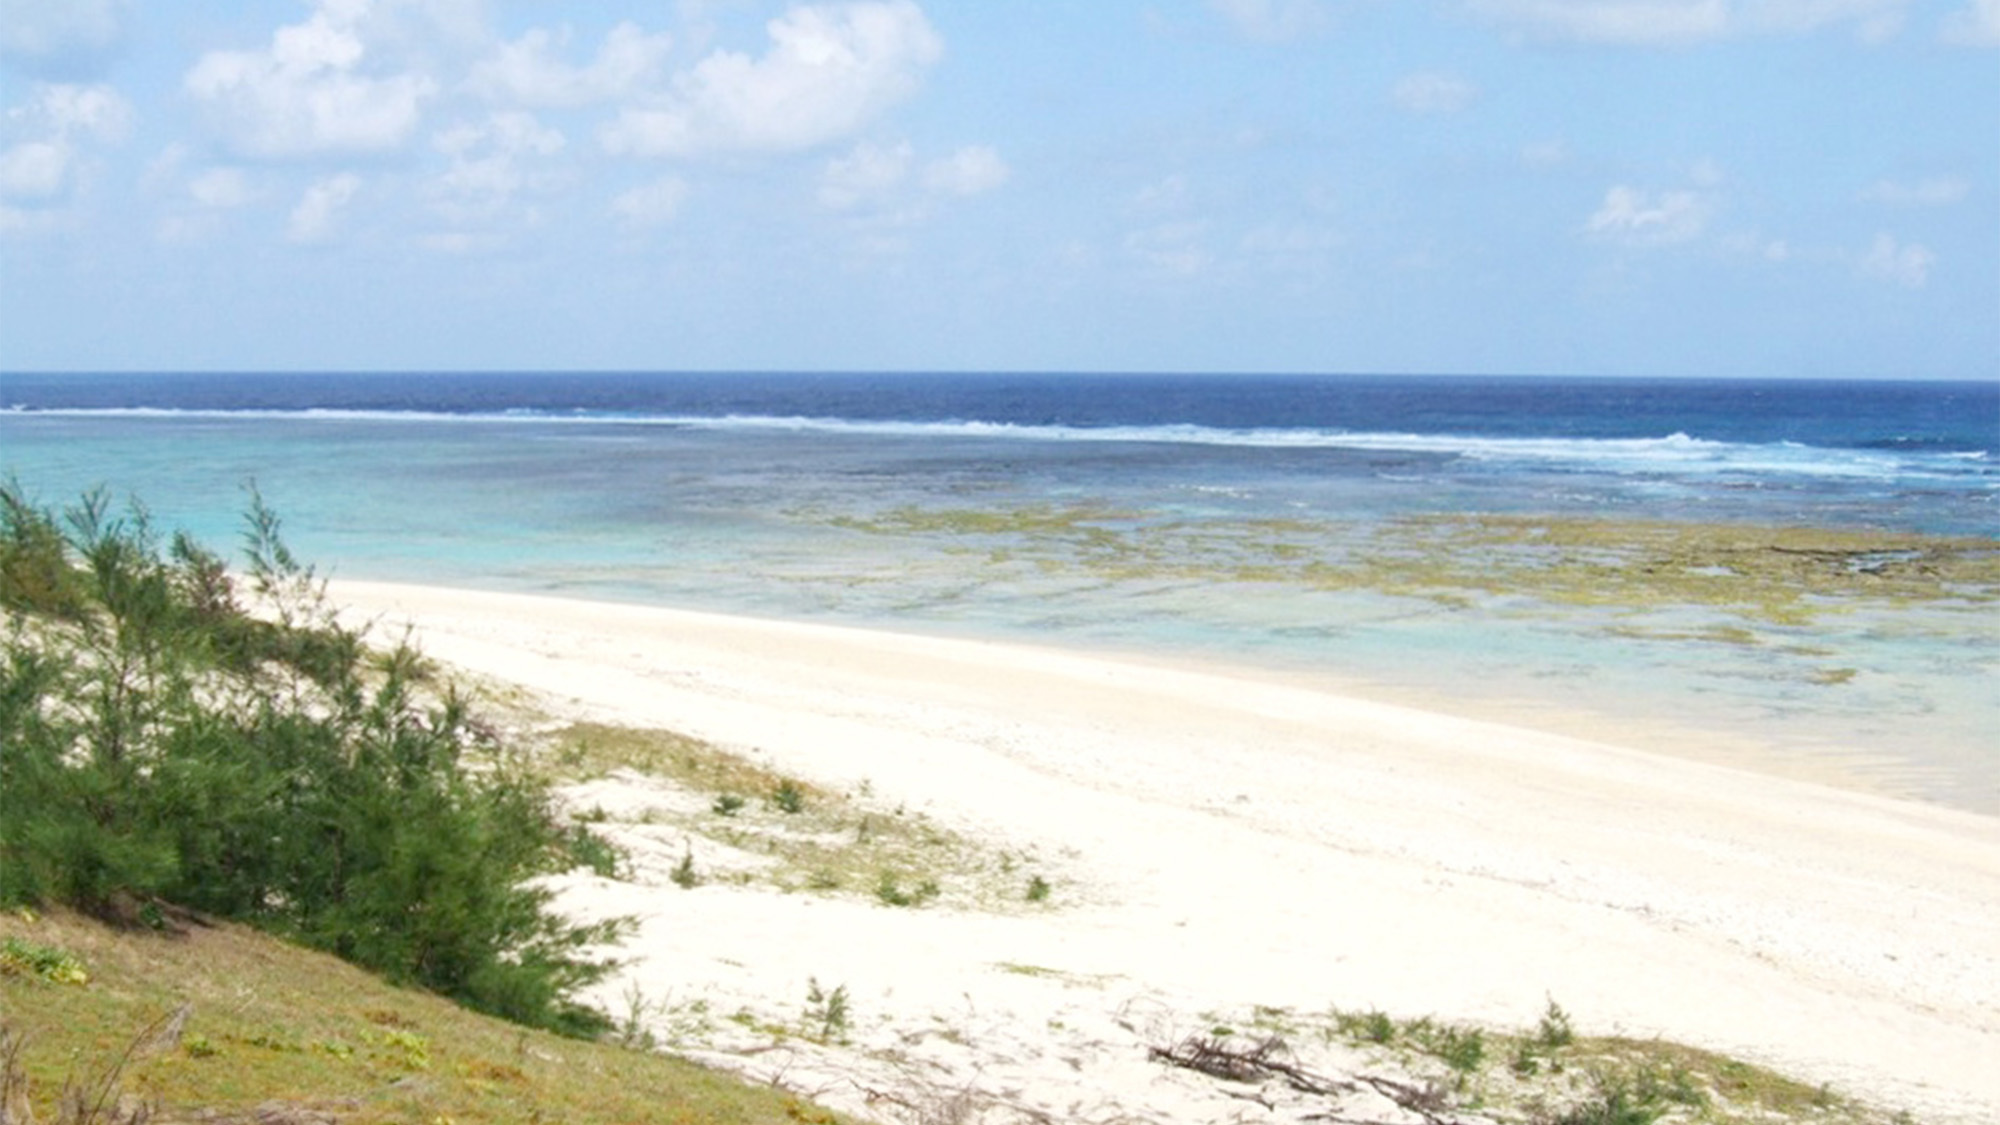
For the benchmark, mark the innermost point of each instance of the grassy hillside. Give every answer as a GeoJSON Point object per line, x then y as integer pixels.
{"type": "Point", "coordinates": [278, 1033]}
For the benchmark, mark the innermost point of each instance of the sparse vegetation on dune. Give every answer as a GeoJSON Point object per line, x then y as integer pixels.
{"type": "Point", "coordinates": [1448, 1073]}
{"type": "Point", "coordinates": [725, 818]}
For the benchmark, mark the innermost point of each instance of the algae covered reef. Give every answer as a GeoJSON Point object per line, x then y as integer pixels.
{"type": "Point", "coordinates": [1748, 577]}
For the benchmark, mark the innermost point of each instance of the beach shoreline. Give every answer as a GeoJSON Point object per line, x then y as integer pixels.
{"type": "Point", "coordinates": [1223, 838]}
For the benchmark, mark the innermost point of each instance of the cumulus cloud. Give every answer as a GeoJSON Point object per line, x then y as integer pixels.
{"type": "Point", "coordinates": [1634, 217]}
{"type": "Point", "coordinates": [1613, 21]}
{"type": "Point", "coordinates": [309, 93]}
{"type": "Point", "coordinates": [651, 204]}
{"type": "Point", "coordinates": [884, 185]}
{"type": "Point", "coordinates": [58, 36]}
{"type": "Point", "coordinates": [1274, 21]}
{"type": "Point", "coordinates": [53, 135]}
{"type": "Point", "coordinates": [1899, 263]}
{"type": "Point", "coordinates": [866, 174]}
{"type": "Point", "coordinates": [1939, 191]}
{"type": "Point", "coordinates": [33, 172]}
{"type": "Point", "coordinates": [221, 189]}
{"type": "Point", "coordinates": [1434, 92]}
{"type": "Point", "coordinates": [319, 209]}
{"type": "Point", "coordinates": [1668, 23]}
{"type": "Point", "coordinates": [74, 112]}
{"type": "Point", "coordinates": [830, 69]}
{"type": "Point", "coordinates": [529, 71]}
{"type": "Point", "coordinates": [492, 163]}
{"type": "Point", "coordinates": [1975, 25]}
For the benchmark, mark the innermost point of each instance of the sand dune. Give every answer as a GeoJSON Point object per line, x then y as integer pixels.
{"type": "Point", "coordinates": [1229, 839]}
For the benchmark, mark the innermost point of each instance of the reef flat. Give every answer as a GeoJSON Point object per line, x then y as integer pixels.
{"type": "Point", "coordinates": [1758, 575]}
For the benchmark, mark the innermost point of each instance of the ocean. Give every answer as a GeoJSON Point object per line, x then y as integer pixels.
{"type": "Point", "coordinates": [1463, 543]}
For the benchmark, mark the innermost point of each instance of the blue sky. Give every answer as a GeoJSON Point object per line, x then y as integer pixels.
{"type": "Point", "coordinates": [1657, 187]}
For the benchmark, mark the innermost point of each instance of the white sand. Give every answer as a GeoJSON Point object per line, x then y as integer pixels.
{"type": "Point", "coordinates": [1227, 839]}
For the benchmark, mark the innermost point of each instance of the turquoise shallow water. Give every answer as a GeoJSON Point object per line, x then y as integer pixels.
{"type": "Point", "coordinates": [777, 507]}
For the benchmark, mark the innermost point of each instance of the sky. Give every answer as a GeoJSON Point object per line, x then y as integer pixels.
{"type": "Point", "coordinates": [1621, 187]}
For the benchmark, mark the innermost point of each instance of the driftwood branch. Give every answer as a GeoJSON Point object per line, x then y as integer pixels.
{"type": "Point", "coordinates": [1269, 1060]}
{"type": "Point", "coordinates": [1262, 1061]}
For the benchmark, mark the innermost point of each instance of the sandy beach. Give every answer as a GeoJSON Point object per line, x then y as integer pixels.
{"type": "Point", "coordinates": [1225, 843]}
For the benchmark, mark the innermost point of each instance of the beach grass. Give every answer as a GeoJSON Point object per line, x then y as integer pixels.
{"type": "Point", "coordinates": [742, 822]}
{"type": "Point", "coordinates": [1550, 1073]}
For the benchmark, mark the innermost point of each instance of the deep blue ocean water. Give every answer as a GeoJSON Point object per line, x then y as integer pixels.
{"type": "Point", "coordinates": [757, 493]}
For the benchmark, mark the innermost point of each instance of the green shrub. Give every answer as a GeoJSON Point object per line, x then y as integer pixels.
{"type": "Point", "coordinates": [1554, 1030]}
{"type": "Point", "coordinates": [684, 874]}
{"type": "Point", "coordinates": [158, 742]}
{"type": "Point", "coordinates": [889, 891]}
{"type": "Point", "coordinates": [1612, 1104]}
{"type": "Point", "coordinates": [826, 1013]}
{"type": "Point", "coordinates": [1462, 1049]}
{"type": "Point", "coordinates": [1372, 1026]}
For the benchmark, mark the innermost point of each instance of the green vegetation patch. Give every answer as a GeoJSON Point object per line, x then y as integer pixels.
{"type": "Point", "coordinates": [170, 739]}
{"type": "Point", "coordinates": [1551, 1075]}
{"type": "Point", "coordinates": [20, 957]}
{"type": "Point", "coordinates": [750, 824]}
{"type": "Point", "coordinates": [219, 1022]}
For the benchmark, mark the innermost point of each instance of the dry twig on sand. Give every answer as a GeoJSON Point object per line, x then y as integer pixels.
{"type": "Point", "coordinates": [1268, 1060]}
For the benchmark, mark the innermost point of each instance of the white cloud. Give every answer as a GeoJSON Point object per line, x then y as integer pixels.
{"type": "Point", "coordinates": [57, 128]}
{"type": "Point", "coordinates": [1975, 25]}
{"type": "Point", "coordinates": [319, 209]}
{"type": "Point", "coordinates": [652, 204]}
{"type": "Point", "coordinates": [68, 112]}
{"type": "Point", "coordinates": [1905, 264]}
{"type": "Point", "coordinates": [868, 173]}
{"type": "Point", "coordinates": [1641, 218]}
{"type": "Point", "coordinates": [1754, 245]}
{"type": "Point", "coordinates": [1274, 21]}
{"type": "Point", "coordinates": [1434, 92]}
{"type": "Point", "coordinates": [1656, 22]}
{"type": "Point", "coordinates": [972, 170]}
{"type": "Point", "coordinates": [307, 93]}
{"type": "Point", "coordinates": [492, 163]}
{"type": "Point", "coordinates": [34, 171]}
{"type": "Point", "coordinates": [1939, 191]}
{"type": "Point", "coordinates": [883, 188]}
{"type": "Point", "coordinates": [1873, 20]}
{"type": "Point", "coordinates": [830, 69]}
{"type": "Point", "coordinates": [1670, 23]}
{"type": "Point", "coordinates": [221, 188]}
{"type": "Point", "coordinates": [58, 34]}
{"type": "Point", "coordinates": [529, 72]}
